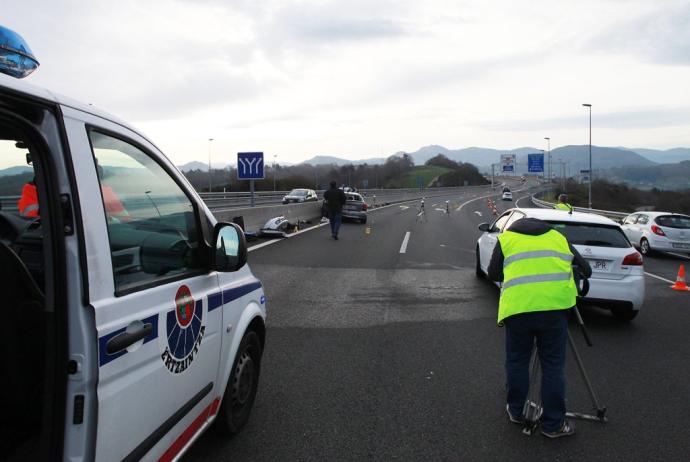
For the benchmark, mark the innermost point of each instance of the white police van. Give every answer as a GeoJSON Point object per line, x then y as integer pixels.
{"type": "Point", "coordinates": [131, 320]}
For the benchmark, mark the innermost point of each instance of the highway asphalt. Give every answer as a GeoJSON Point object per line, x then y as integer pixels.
{"type": "Point", "coordinates": [374, 354]}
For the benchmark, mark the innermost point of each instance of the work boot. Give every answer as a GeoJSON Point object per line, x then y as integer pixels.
{"type": "Point", "coordinates": [566, 429]}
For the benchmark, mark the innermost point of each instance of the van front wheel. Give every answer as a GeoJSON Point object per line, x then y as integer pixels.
{"type": "Point", "coordinates": [240, 391]}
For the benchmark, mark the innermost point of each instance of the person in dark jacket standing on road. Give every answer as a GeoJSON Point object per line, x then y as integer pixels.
{"type": "Point", "coordinates": [335, 199]}
{"type": "Point", "coordinates": [534, 261]}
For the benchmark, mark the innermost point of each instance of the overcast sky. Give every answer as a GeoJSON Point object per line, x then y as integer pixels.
{"type": "Point", "coordinates": [366, 78]}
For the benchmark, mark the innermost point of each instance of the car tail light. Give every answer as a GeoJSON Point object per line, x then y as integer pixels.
{"type": "Point", "coordinates": [365, 207]}
{"type": "Point", "coordinates": [634, 259]}
{"type": "Point", "coordinates": [658, 231]}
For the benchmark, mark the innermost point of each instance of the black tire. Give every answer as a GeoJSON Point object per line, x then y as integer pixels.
{"type": "Point", "coordinates": [240, 391]}
{"type": "Point", "coordinates": [645, 249]}
{"type": "Point", "coordinates": [624, 313]}
{"type": "Point", "coordinates": [478, 270]}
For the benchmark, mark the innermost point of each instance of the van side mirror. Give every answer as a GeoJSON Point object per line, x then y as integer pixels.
{"type": "Point", "coordinates": [484, 227]}
{"type": "Point", "coordinates": [229, 252]}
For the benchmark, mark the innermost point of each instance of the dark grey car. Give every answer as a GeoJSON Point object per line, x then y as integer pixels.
{"type": "Point", "coordinates": [354, 209]}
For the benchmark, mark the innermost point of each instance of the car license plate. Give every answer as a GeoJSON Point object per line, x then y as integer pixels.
{"type": "Point", "coordinates": [601, 266]}
{"type": "Point", "coordinates": [680, 245]}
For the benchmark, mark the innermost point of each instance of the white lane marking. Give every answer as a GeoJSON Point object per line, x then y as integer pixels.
{"type": "Point", "coordinates": [406, 239]}
{"type": "Point", "coordinates": [478, 212]}
{"type": "Point", "coordinates": [679, 255]}
{"type": "Point", "coordinates": [659, 278]}
{"type": "Point", "coordinates": [440, 210]}
{"type": "Point", "coordinates": [434, 205]}
{"type": "Point", "coordinates": [404, 207]}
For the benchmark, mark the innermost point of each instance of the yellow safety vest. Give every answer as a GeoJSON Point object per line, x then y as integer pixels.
{"type": "Point", "coordinates": [537, 274]}
{"type": "Point", "coordinates": [562, 206]}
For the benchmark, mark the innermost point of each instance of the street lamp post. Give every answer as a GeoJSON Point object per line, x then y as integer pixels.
{"type": "Point", "coordinates": [548, 149]}
{"type": "Point", "coordinates": [590, 152]}
{"type": "Point", "coordinates": [274, 172]}
{"type": "Point", "coordinates": [209, 164]}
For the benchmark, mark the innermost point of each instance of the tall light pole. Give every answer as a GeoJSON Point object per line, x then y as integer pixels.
{"type": "Point", "coordinates": [209, 164]}
{"type": "Point", "coordinates": [548, 149]}
{"type": "Point", "coordinates": [590, 152]}
{"type": "Point", "coordinates": [274, 172]}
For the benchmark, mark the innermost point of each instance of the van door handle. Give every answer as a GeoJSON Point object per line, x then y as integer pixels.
{"type": "Point", "coordinates": [125, 339]}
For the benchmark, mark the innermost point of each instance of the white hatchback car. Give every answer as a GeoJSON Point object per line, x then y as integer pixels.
{"type": "Point", "coordinates": [617, 281]}
{"type": "Point", "coordinates": [650, 231]}
{"type": "Point", "coordinates": [507, 196]}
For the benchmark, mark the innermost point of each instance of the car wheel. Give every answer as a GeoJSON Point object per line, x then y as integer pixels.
{"type": "Point", "coordinates": [478, 270]}
{"type": "Point", "coordinates": [624, 313]}
{"type": "Point", "coordinates": [645, 249]}
{"type": "Point", "coordinates": [240, 391]}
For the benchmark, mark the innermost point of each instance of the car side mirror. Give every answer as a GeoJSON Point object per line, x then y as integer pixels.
{"type": "Point", "coordinates": [229, 252]}
{"type": "Point", "coordinates": [486, 227]}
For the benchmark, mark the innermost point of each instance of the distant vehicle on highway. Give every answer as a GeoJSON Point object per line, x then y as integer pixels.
{"type": "Point", "coordinates": [300, 195]}
{"type": "Point", "coordinates": [355, 208]}
{"type": "Point", "coordinates": [663, 231]}
{"type": "Point", "coordinates": [506, 189]}
{"type": "Point", "coordinates": [507, 196]}
{"type": "Point", "coordinates": [617, 281]}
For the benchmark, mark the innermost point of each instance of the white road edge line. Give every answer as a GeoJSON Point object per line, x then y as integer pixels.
{"type": "Point", "coordinates": [659, 278]}
{"type": "Point", "coordinates": [406, 239]}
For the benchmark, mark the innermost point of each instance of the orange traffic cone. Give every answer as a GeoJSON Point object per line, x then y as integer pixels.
{"type": "Point", "coordinates": [680, 280]}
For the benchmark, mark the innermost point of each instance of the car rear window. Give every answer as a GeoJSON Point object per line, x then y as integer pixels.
{"type": "Point", "coordinates": [354, 197]}
{"type": "Point", "coordinates": [591, 234]}
{"type": "Point", "coordinates": [673, 221]}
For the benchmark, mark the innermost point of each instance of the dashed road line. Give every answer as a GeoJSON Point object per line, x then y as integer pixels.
{"type": "Point", "coordinates": [406, 240]}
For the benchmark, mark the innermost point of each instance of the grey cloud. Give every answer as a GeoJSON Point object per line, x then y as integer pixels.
{"type": "Point", "coordinates": [662, 37]}
{"type": "Point", "coordinates": [641, 119]}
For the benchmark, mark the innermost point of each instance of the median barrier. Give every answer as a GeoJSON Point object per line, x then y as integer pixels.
{"type": "Point", "coordinates": [616, 216]}
{"type": "Point", "coordinates": [255, 217]}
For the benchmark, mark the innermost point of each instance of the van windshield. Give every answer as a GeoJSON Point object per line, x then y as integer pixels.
{"type": "Point", "coordinates": [673, 221]}
{"type": "Point", "coordinates": [591, 234]}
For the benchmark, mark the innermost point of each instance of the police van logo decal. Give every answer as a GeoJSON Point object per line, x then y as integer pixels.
{"type": "Point", "coordinates": [185, 330]}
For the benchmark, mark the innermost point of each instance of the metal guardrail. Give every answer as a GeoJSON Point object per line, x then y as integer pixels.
{"type": "Point", "coordinates": [605, 213]}
{"type": "Point", "coordinates": [229, 200]}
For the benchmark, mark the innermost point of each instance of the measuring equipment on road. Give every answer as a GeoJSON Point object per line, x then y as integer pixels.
{"type": "Point", "coordinates": [532, 409]}
{"type": "Point", "coordinates": [421, 215]}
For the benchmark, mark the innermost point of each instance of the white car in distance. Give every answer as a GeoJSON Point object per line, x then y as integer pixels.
{"type": "Point", "coordinates": [507, 196]}
{"type": "Point", "coordinates": [617, 281]}
{"type": "Point", "coordinates": [663, 231]}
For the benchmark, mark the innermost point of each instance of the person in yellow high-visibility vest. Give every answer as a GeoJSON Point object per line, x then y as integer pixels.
{"type": "Point", "coordinates": [534, 263]}
{"type": "Point", "coordinates": [563, 204]}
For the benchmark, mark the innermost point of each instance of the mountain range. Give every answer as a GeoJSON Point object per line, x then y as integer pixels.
{"type": "Point", "coordinates": [575, 157]}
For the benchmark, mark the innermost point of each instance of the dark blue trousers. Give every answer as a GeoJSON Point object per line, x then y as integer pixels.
{"type": "Point", "coordinates": [550, 329]}
{"type": "Point", "coordinates": [335, 221]}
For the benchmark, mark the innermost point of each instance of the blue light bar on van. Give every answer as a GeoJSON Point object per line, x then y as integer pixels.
{"type": "Point", "coordinates": [16, 58]}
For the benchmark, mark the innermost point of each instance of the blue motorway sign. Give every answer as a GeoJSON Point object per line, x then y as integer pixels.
{"type": "Point", "coordinates": [250, 165]}
{"type": "Point", "coordinates": [535, 163]}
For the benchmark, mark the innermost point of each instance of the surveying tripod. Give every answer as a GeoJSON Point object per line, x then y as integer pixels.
{"type": "Point", "coordinates": [532, 409]}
